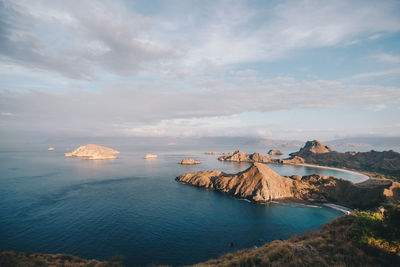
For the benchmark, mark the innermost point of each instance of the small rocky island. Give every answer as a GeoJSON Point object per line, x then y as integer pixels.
{"type": "Point", "coordinates": [189, 161]}
{"type": "Point", "coordinates": [239, 156]}
{"type": "Point", "coordinates": [259, 183]}
{"type": "Point", "coordinates": [150, 156]}
{"type": "Point", "coordinates": [51, 149]}
{"type": "Point", "coordinates": [93, 152]}
{"type": "Point", "coordinates": [275, 152]}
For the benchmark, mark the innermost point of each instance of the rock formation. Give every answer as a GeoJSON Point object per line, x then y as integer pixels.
{"type": "Point", "coordinates": [94, 152]}
{"type": "Point", "coordinates": [260, 184]}
{"type": "Point", "coordinates": [51, 149]}
{"type": "Point", "coordinates": [238, 156]}
{"type": "Point", "coordinates": [188, 161]}
{"type": "Point", "coordinates": [150, 156]}
{"type": "Point", "coordinates": [312, 147]}
{"type": "Point", "coordinates": [275, 152]}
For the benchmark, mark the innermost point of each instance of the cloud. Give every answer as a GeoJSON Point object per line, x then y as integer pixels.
{"type": "Point", "coordinates": [85, 39]}
{"type": "Point", "coordinates": [387, 58]}
{"type": "Point", "coordinates": [153, 107]}
{"type": "Point", "coordinates": [79, 40]}
{"type": "Point", "coordinates": [238, 33]}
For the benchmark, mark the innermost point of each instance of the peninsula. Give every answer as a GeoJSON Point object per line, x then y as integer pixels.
{"type": "Point", "coordinates": [259, 183]}
{"type": "Point", "coordinates": [93, 152]}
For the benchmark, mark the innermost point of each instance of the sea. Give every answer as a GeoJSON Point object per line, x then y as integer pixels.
{"type": "Point", "coordinates": [132, 210]}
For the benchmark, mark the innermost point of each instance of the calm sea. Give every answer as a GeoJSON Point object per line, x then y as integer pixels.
{"type": "Point", "coordinates": [132, 209]}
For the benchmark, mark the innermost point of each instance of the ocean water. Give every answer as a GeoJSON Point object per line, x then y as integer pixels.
{"type": "Point", "coordinates": [132, 209]}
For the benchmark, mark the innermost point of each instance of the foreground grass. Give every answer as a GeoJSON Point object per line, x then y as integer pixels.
{"type": "Point", "coordinates": [362, 239]}
{"type": "Point", "coordinates": [26, 259]}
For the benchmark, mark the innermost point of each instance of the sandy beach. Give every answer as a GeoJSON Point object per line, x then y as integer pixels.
{"type": "Point", "coordinates": [362, 176]}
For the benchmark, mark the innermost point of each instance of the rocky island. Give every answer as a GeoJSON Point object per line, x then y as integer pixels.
{"type": "Point", "coordinates": [51, 149]}
{"type": "Point", "coordinates": [93, 152]}
{"type": "Point", "coordinates": [259, 183]}
{"type": "Point", "coordinates": [239, 156]}
{"type": "Point", "coordinates": [188, 161]}
{"type": "Point", "coordinates": [150, 156]}
{"type": "Point", "coordinates": [275, 152]}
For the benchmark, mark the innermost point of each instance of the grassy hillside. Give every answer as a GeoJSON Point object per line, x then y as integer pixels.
{"type": "Point", "coordinates": [386, 162]}
{"type": "Point", "coordinates": [362, 239]}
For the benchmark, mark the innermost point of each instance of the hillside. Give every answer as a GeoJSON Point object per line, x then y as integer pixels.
{"type": "Point", "coordinates": [386, 163]}
{"type": "Point", "coordinates": [363, 239]}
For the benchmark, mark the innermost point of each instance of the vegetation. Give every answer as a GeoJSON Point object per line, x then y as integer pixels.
{"type": "Point", "coordinates": [362, 239]}
{"type": "Point", "coordinates": [381, 232]}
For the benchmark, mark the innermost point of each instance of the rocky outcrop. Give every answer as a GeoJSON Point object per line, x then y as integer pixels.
{"type": "Point", "coordinates": [188, 161]}
{"type": "Point", "coordinates": [275, 152]}
{"type": "Point", "coordinates": [93, 152]}
{"type": "Point", "coordinates": [150, 156]}
{"type": "Point", "coordinates": [260, 184]}
{"type": "Point", "coordinates": [51, 149]}
{"type": "Point", "coordinates": [312, 147]}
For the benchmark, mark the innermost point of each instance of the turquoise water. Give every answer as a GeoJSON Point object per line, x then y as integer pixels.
{"type": "Point", "coordinates": [132, 209]}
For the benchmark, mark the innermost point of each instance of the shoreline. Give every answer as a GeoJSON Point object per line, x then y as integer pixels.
{"type": "Point", "coordinates": [363, 177]}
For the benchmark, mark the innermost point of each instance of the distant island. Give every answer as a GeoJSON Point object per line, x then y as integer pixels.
{"type": "Point", "coordinates": [274, 152]}
{"type": "Point", "coordinates": [217, 153]}
{"type": "Point", "coordinates": [150, 156]}
{"type": "Point", "coordinates": [259, 183]}
{"type": "Point", "coordinates": [189, 161]}
{"type": "Point", "coordinates": [93, 152]}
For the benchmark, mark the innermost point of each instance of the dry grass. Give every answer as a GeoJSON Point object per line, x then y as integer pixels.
{"type": "Point", "coordinates": [335, 244]}
{"type": "Point", "coordinates": [26, 259]}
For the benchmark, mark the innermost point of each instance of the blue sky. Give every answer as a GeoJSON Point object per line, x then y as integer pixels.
{"type": "Point", "coordinates": [272, 69]}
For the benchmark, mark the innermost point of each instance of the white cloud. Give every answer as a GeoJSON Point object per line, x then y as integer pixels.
{"type": "Point", "coordinates": [152, 107]}
{"type": "Point", "coordinates": [387, 57]}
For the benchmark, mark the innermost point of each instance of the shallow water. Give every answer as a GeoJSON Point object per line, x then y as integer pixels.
{"type": "Point", "coordinates": [132, 209]}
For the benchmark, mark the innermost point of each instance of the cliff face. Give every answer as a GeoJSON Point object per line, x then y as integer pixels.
{"type": "Point", "coordinates": [260, 184]}
{"type": "Point", "coordinates": [94, 152]}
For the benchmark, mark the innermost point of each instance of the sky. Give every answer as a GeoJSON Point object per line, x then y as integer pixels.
{"type": "Point", "coordinates": [166, 68]}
